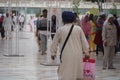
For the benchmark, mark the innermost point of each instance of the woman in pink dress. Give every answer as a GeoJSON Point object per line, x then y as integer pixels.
{"type": "Point", "coordinates": [31, 23]}
{"type": "Point", "coordinates": [86, 27]}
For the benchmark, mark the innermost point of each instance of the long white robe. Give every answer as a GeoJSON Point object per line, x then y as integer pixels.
{"type": "Point", "coordinates": [7, 23]}
{"type": "Point", "coordinates": [71, 67]}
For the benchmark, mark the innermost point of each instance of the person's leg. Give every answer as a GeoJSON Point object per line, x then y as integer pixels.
{"type": "Point", "coordinates": [43, 43]}
{"type": "Point", "coordinates": [12, 28]}
{"type": "Point", "coordinates": [105, 57]}
{"type": "Point", "coordinates": [31, 28]}
{"type": "Point", "coordinates": [22, 25]}
{"type": "Point", "coordinates": [102, 49]}
{"type": "Point", "coordinates": [2, 33]}
{"type": "Point", "coordinates": [38, 40]}
{"type": "Point", "coordinates": [9, 33]}
{"type": "Point", "coordinates": [97, 50]}
{"type": "Point", "coordinates": [110, 58]}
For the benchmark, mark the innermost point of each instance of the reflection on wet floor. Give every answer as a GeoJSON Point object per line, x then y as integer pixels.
{"type": "Point", "coordinates": [29, 68]}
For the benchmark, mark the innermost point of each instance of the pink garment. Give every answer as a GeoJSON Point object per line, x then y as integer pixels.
{"type": "Point", "coordinates": [86, 27]}
{"type": "Point", "coordinates": [31, 24]}
{"type": "Point", "coordinates": [89, 69]}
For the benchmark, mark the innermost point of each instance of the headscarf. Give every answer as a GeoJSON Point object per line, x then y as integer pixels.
{"type": "Point", "coordinates": [118, 21]}
{"type": "Point", "coordinates": [68, 16]}
{"type": "Point", "coordinates": [109, 16]}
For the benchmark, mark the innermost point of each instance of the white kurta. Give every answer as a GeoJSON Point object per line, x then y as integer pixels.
{"type": "Point", "coordinates": [7, 23]}
{"type": "Point", "coordinates": [71, 67]}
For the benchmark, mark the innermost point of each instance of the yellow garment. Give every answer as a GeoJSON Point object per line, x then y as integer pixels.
{"type": "Point", "coordinates": [92, 36]}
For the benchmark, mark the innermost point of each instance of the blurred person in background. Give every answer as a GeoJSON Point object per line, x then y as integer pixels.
{"type": "Point", "coordinates": [31, 23]}
{"type": "Point", "coordinates": [115, 21]}
{"type": "Point", "coordinates": [53, 26]}
{"type": "Point", "coordinates": [109, 37]}
{"type": "Point", "coordinates": [98, 34]}
{"type": "Point", "coordinates": [43, 32]}
{"type": "Point", "coordinates": [38, 31]}
{"type": "Point", "coordinates": [77, 20]}
{"type": "Point", "coordinates": [7, 23]}
{"type": "Point", "coordinates": [92, 32]}
{"type": "Point", "coordinates": [21, 22]}
{"type": "Point", "coordinates": [2, 27]}
{"type": "Point", "coordinates": [86, 26]}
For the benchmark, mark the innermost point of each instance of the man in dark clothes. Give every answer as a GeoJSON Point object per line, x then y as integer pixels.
{"type": "Point", "coordinates": [1, 27]}
{"type": "Point", "coordinates": [117, 27]}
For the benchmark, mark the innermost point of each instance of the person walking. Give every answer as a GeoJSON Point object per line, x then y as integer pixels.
{"type": "Point", "coordinates": [86, 27]}
{"type": "Point", "coordinates": [1, 27]}
{"type": "Point", "coordinates": [109, 37]}
{"type": "Point", "coordinates": [53, 26]}
{"type": "Point", "coordinates": [43, 32]}
{"type": "Point", "coordinates": [21, 22]}
{"type": "Point", "coordinates": [31, 23]}
{"type": "Point", "coordinates": [77, 20]}
{"type": "Point", "coordinates": [38, 32]}
{"type": "Point", "coordinates": [92, 32]}
{"type": "Point", "coordinates": [7, 23]}
{"type": "Point", "coordinates": [98, 34]}
{"type": "Point", "coordinates": [71, 66]}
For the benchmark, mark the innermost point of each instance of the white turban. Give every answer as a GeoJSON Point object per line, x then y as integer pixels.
{"type": "Point", "coordinates": [109, 16]}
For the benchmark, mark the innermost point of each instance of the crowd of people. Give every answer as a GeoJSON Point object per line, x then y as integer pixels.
{"type": "Point", "coordinates": [8, 23]}
{"type": "Point", "coordinates": [90, 34]}
{"type": "Point", "coordinates": [103, 33]}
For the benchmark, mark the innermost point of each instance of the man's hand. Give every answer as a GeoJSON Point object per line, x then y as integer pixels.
{"type": "Point", "coordinates": [105, 44]}
{"type": "Point", "coordinates": [53, 57]}
{"type": "Point", "coordinates": [87, 56]}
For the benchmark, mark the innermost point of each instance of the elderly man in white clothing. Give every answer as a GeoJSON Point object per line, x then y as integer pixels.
{"type": "Point", "coordinates": [71, 66]}
{"type": "Point", "coordinates": [109, 37]}
{"type": "Point", "coordinates": [7, 23]}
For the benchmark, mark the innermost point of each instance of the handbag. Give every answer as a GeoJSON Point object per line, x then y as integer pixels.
{"type": "Point", "coordinates": [66, 42]}
{"type": "Point", "coordinates": [88, 69]}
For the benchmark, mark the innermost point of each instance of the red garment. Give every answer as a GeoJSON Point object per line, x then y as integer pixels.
{"type": "Point", "coordinates": [86, 26]}
{"type": "Point", "coordinates": [1, 19]}
{"type": "Point", "coordinates": [98, 37]}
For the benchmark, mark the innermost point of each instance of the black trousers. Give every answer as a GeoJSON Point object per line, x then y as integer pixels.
{"type": "Point", "coordinates": [99, 48]}
{"type": "Point", "coordinates": [2, 31]}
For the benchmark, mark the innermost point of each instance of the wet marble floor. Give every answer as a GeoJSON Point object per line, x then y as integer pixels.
{"type": "Point", "coordinates": [28, 67]}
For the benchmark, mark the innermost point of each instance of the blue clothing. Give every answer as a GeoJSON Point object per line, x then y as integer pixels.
{"type": "Point", "coordinates": [38, 23]}
{"type": "Point", "coordinates": [68, 16]}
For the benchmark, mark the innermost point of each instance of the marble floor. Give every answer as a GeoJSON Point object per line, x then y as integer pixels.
{"type": "Point", "coordinates": [28, 67]}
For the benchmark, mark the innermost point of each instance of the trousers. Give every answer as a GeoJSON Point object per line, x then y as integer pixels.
{"type": "Point", "coordinates": [43, 42]}
{"type": "Point", "coordinates": [109, 52]}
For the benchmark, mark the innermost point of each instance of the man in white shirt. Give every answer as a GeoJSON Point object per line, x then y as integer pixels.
{"type": "Point", "coordinates": [7, 23]}
{"type": "Point", "coordinates": [21, 21]}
